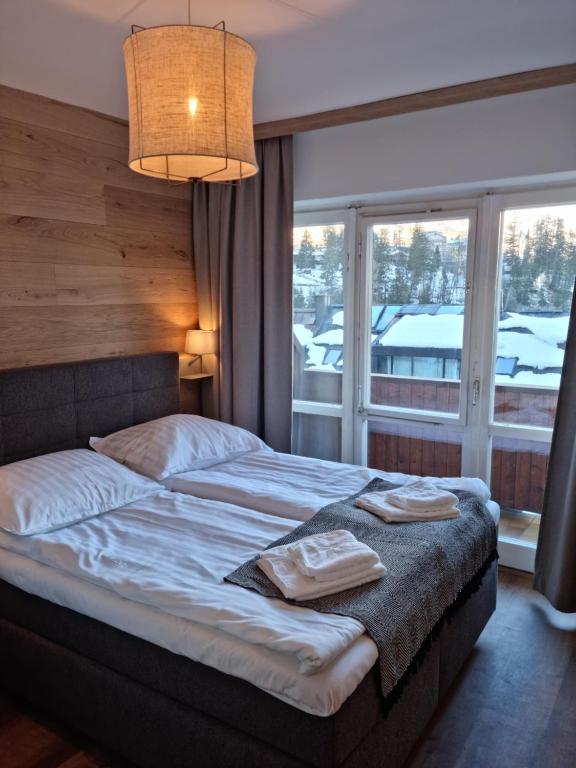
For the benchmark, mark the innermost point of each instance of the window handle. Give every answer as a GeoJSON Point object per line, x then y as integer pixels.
{"type": "Point", "coordinates": [476, 391]}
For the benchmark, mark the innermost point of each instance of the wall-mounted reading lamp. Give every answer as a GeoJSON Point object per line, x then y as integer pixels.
{"type": "Point", "coordinates": [200, 343]}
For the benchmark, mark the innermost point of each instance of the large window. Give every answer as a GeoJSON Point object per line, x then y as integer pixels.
{"type": "Point", "coordinates": [430, 341]}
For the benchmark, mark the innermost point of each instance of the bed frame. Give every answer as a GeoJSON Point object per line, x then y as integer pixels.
{"type": "Point", "coordinates": [156, 708]}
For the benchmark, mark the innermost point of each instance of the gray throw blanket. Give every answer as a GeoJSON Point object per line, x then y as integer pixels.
{"type": "Point", "coordinates": [430, 565]}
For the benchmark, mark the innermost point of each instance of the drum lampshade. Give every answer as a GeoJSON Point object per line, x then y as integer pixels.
{"type": "Point", "coordinates": [190, 103]}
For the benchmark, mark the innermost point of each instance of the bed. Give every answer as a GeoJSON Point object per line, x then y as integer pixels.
{"type": "Point", "coordinates": [109, 667]}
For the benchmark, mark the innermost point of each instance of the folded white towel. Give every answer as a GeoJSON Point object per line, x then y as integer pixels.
{"type": "Point", "coordinates": [421, 495]}
{"type": "Point", "coordinates": [284, 573]}
{"type": "Point", "coordinates": [378, 504]}
{"type": "Point", "coordinates": [331, 555]}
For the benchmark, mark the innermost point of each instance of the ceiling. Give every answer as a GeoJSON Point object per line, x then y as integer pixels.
{"type": "Point", "coordinates": [312, 54]}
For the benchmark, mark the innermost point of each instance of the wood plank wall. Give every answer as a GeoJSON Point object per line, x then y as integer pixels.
{"type": "Point", "coordinates": [94, 259]}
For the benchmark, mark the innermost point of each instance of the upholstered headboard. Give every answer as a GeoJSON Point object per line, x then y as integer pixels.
{"type": "Point", "coordinates": [55, 407]}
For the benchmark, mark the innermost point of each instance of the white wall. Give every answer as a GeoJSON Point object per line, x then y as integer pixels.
{"type": "Point", "coordinates": [506, 138]}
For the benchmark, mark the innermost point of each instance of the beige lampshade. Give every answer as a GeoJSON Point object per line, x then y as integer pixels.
{"type": "Point", "coordinates": [201, 343]}
{"type": "Point", "coordinates": [190, 103]}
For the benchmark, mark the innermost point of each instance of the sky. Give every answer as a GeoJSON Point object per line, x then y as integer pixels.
{"type": "Point", "coordinates": [526, 217]}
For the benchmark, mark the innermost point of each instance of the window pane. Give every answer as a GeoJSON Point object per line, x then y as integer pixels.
{"type": "Point", "coordinates": [418, 297]}
{"type": "Point", "coordinates": [538, 262]}
{"type": "Point", "coordinates": [318, 312]}
{"type": "Point", "coordinates": [418, 449]}
{"type": "Point", "coordinates": [428, 367]}
{"type": "Point", "coordinates": [318, 437]}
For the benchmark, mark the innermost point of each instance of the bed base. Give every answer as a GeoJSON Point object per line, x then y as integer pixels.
{"type": "Point", "coordinates": [161, 710]}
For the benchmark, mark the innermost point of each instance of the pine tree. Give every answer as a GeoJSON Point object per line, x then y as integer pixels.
{"type": "Point", "coordinates": [305, 259]}
{"type": "Point", "coordinates": [382, 268]}
{"type": "Point", "coordinates": [421, 265]}
{"type": "Point", "coordinates": [511, 267]}
{"type": "Point", "coordinates": [331, 263]}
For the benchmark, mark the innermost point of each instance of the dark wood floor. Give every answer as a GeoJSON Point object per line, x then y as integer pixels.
{"type": "Point", "coordinates": [513, 706]}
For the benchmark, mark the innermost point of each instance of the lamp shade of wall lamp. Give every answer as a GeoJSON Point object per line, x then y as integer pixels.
{"type": "Point", "coordinates": [190, 103]}
{"type": "Point", "coordinates": [201, 343]}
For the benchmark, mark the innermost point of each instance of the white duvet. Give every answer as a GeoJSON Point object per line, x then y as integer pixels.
{"type": "Point", "coordinates": [296, 487]}
{"type": "Point", "coordinates": [172, 551]}
{"type": "Point", "coordinates": [155, 567]}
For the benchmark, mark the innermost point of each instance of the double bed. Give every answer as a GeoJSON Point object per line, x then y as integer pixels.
{"type": "Point", "coordinates": [154, 656]}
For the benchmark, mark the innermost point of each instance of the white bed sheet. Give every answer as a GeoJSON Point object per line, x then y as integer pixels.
{"type": "Point", "coordinates": [296, 487]}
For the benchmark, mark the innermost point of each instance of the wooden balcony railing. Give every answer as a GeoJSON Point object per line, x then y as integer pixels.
{"type": "Point", "coordinates": [519, 467]}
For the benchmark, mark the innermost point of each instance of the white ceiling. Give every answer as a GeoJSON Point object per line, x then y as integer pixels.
{"type": "Point", "coordinates": [312, 54]}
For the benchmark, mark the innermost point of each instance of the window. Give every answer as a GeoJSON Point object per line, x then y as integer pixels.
{"type": "Point", "coordinates": [321, 290]}
{"type": "Point", "coordinates": [455, 365]}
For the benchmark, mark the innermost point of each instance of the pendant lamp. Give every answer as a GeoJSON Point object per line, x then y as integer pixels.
{"type": "Point", "coordinates": [190, 103]}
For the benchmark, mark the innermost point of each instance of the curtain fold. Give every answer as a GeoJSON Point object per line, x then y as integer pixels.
{"type": "Point", "coordinates": [555, 575]}
{"type": "Point", "coordinates": [242, 246]}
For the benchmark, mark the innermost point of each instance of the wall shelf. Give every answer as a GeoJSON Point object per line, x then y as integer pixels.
{"type": "Point", "coordinates": [196, 376]}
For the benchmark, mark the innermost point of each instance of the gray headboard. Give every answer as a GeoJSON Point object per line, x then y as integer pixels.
{"type": "Point", "coordinates": [55, 407]}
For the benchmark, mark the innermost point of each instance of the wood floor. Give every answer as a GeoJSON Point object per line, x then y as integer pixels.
{"type": "Point", "coordinates": [513, 706]}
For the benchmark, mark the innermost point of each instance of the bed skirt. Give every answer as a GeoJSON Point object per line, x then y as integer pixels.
{"type": "Point", "coordinates": [161, 710]}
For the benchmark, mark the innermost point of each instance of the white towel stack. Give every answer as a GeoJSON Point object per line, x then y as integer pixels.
{"type": "Point", "coordinates": [321, 565]}
{"type": "Point", "coordinates": [418, 501]}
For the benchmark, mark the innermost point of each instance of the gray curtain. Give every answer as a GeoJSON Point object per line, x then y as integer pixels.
{"type": "Point", "coordinates": [242, 246]}
{"type": "Point", "coordinates": [556, 554]}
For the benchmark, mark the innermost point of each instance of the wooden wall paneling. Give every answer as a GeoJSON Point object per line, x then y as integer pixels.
{"type": "Point", "coordinates": [144, 210]}
{"type": "Point", "coordinates": [53, 327]}
{"type": "Point", "coordinates": [24, 283]}
{"type": "Point", "coordinates": [90, 351]}
{"type": "Point", "coordinates": [46, 150]}
{"type": "Point", "coordinates": [32, 193]}
{"type": "Point", "coordinates": [95, 260]}
{"type": "Point", "coordinates": [34, 239]}
{"type": "Point", "coordinates": [33, 109]}
{"type": "Point", "coordinates": [79, 284]}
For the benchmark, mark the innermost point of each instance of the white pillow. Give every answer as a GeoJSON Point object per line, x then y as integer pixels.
{"type": "Point", "coordinates": [177, 443]}
{"type": "Point", "coordinates": [55, 490]}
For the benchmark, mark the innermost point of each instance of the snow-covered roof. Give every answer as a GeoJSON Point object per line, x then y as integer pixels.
{"type": "Point", "coordinates": [333, 338]}
{"type": "Point", "coordinates": [315, 355]}
{"type": "Point", "coordinates": [425, 331]}
{"type": "Point", "coordinates": [549, 329]}
{"type": "Point", "coordinates": [530, 350]}
{"type": "Point", "coordinates": [303, 334]}
{"type": "Point", "coordinates": [338, 318]}
{"type": "Point", "coordinates": [529, 377]}
{"type": "Point", "coordinates": [301, 279]}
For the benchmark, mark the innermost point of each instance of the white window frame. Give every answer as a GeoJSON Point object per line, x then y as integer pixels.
{"type": "Point", "coordinates": [343, 410]}
{"type": "Point", "coordinates": [474, 423]}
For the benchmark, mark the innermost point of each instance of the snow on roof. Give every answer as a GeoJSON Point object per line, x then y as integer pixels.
{"type": "Point", "coordinates": [529, 377]}
{"type": "Point", "coordinates": [315, 355]}
{"type": "Point", "coordinates": [303, 334]}
{"type": "Point", "coordinates": [425, 331]}
{"type": "Point", "coordinates": [552, 330]}
{"type": "Point", "coordinates": [530, 350]}
{"type": "Point", "coordinates": [333, 338]}
{"type": "Point", "coordinates": [338, 318]}
{"type": "Point", "coordinates": [301, 279]}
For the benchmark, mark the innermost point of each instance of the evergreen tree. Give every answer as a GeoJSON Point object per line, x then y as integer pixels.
{"type": "Point", "coordinates": [305, 258]}
{"type": "Point", "coordinates": [421, 265]}
{"type": "Point", "coordinates": [511, 267]}
{"type": "Point", "coordinates": [331, 261]}
{"type": "Point", "coordinates": [382, 268]}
